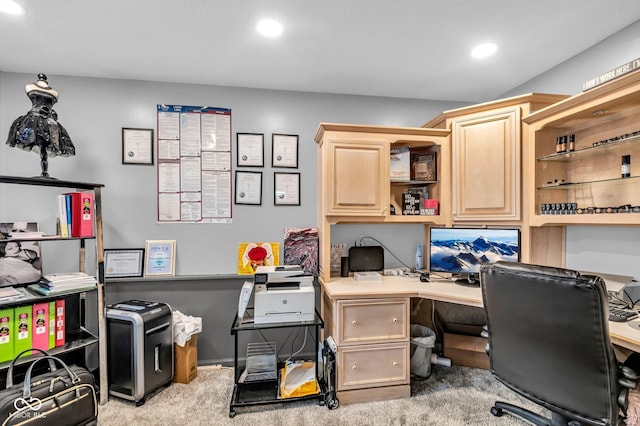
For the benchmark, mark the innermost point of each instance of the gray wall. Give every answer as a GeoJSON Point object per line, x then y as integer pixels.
{"type": "Point", "coordinates": [95, 110]}
{"type": "Point", "coordinates": [604, 249]}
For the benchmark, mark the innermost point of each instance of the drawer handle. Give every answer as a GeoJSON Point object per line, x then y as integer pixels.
{"type": "Point", "coordinates": [395, 364]}
{"type": "Point", "coordinates": [353, 367]}
{"type": "Point", "coordinates": [353, 322]}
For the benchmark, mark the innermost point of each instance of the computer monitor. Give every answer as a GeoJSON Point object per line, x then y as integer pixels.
{"type": "Point", "coordinates": [461, 251]}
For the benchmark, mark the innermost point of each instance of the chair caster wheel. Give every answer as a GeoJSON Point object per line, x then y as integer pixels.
{"type": "Point", "coordinates": [497, 411]}
{"type": "Point", "coordinates": [332, 404]}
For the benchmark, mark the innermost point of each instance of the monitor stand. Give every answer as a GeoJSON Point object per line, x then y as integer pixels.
{"type": "Point", "coordinates": [470, 280]}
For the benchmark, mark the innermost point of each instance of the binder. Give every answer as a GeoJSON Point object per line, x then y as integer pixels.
{"type": "Point", "coordinates": [22, 329]}
{"type": "Point", "coordinates": [40, 328]}
{"type": "Point", "coordinates": [82, 211]}
{"type": "Point", "coordinates": [62, 215]}
{"type": "Point", "coordinates": [60, 328]}
{"type": "Point", "coordinates": [52, 324]}
{"type": "Point", "coordinates": [7, 334]}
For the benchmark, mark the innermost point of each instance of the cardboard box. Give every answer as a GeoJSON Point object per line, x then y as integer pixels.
{"type": "Point", "coordinates": [186, 361]}
{"type": "Point", "coordinates": [469, 351]}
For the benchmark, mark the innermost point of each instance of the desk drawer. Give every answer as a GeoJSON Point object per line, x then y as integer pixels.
{"type": "Point", "coordinates": [372, 366]}
{"type": "Point", "coordinates": [372, 321]}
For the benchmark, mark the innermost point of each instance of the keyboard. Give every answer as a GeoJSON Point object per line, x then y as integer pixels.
{"type": "Point", "coordinates": [621, 315]}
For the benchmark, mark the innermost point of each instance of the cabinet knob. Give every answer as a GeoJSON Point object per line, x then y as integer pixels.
{"type": "Point", "coordinates": [395, 320]}
{"type": "Point", "coordinates": [353, 367]}
{"type": "Point", "coordinates": [353, 322]}
{"type": "Point", "coordinates": [395, 364]}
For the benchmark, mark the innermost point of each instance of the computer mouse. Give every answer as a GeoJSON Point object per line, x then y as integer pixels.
{"type": "Point", "coordinates": [424, 277]}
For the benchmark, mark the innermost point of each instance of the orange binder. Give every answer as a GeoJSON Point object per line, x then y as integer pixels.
{"type": "Point", "coordinates": [82, 211]}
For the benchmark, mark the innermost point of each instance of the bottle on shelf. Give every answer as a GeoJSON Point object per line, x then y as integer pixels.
{"type": "Point", "coordinates": [572, 143]}
{"type": "Point", "coordinates": [625, 170]}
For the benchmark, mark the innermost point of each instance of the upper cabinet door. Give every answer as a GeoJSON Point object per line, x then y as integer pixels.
{"type": "Point", "coordinates": [357, 173]}
{"type": "Point", "coordinates": [486, 166]}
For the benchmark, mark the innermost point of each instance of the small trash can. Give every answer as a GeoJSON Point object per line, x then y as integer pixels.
{"type": "Point", "coordinates": [423, 340]}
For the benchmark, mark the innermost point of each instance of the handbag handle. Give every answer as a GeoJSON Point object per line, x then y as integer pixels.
{"type": "Point", "coordinates": [52, 365]}
{"type": "Point", "coordinates": [26, 390]}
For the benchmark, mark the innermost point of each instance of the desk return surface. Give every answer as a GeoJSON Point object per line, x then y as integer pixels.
{"type": "Point", "coordinates": [369, 320]}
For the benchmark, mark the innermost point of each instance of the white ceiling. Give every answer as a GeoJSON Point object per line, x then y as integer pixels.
{"type": "Point", "coordinates": [407, 49]}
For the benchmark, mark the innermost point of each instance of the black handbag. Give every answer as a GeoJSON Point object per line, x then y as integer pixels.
{"type": "Point", "coordinates": [65, 395]}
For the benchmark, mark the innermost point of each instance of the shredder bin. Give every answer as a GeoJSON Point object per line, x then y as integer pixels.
{"type": "Point", "coordinates": [140, 348]}
{"type": "Point", "coordinates": [422, 341]}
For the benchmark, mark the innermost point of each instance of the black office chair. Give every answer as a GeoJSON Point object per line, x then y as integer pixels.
{"type": "Point", "coordinates": [549, 342]}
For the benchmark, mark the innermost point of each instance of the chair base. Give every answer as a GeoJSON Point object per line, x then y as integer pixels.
{"type": "Point", "coordinates": [556, 419]}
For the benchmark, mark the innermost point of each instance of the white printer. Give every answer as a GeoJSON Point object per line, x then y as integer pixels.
{"type": "Point", "coordinates": [283, 294]}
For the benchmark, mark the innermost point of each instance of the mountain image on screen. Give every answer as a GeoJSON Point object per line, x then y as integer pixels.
{"type": "Point", "coordinates": [460, 254]}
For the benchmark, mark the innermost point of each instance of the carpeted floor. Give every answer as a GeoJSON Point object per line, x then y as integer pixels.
{"type": "Point", "coordinates": [455, 396]}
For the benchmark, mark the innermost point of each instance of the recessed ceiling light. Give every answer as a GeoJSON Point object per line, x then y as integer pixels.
{"type": "Point", "coordinates": [269, 28]}
{"type": "Point", "coordinates": [11, 7]}
{"type": "Point", "coordinates": [484, 50]}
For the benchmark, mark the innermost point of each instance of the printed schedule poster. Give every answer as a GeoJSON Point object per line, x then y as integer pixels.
{"type": "Point", "coordinates": [194, 164]}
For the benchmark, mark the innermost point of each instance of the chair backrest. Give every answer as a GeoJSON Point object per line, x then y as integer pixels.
{"type": "Point", "coordinates": [549, 338]}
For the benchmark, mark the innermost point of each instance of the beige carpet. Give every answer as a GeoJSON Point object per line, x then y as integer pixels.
{"type": "Point", "coordinates": [453, 396]}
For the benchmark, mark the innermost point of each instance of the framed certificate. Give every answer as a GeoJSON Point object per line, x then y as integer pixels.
{"type": "Point", "coordinates": [123, 262]}
{"type": "Point", "coordinates": [249, 188]}
{"type": "Point", "coordinates": [285, 150]}
{"type": "Point", "coordinates": [160, 258]}
{"type": "Point", "coordinates": [137, 146]}
{"type": "Point", "coordinates": [250, 149]}
{"type": "Point", "coordinates": [286, 189]}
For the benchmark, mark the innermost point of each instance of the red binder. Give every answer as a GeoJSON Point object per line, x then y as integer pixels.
{"type": "Point", "coordinates": [82, 211]}
{"type": "Point", "coordinates": [60, 340]}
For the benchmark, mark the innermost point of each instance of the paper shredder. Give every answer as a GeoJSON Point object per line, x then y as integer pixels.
{"type": "Point", "coordinates": [140, 348]}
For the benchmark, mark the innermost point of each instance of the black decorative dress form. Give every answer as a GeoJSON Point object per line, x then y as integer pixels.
{"type": "Point", "coordinates": [38, 130]}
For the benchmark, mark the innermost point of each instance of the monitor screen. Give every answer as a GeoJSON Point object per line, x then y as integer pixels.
{"type": "Point", "coordinates": [463, 250]}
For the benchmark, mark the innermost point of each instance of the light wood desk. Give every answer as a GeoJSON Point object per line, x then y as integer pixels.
{"type": "Point", "coordinates": [369, 321]}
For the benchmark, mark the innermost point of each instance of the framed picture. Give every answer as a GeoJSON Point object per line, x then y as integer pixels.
{"type": "Point", "coordinates": [286, 189]}
{"type": "Point", "coordinates": [137, 146]}
{"type": "Point", "coordinates": [250, 148]}
{"type": "Point", "coordinates": [20, 259]}
{"type": "Point", "coordinates": [160, 258]}
{"type": "Point", "coordinates": [285, 150]}
{"type": "Point", "coordinates": [120, 263]}
{"type": "Point", "coordinates": [248, 188]}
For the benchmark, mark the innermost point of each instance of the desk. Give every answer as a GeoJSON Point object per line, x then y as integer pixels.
{"type": "Point", "coordinates": [369, 320]}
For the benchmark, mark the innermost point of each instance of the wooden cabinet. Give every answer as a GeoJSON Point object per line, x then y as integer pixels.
{"type": "Point", "coordinates": [486, 144]}
{"type": "Point", "coordinates": [354, 180]}
{"type": "Point", "coordinates": [372, 336]}
{"type": "Point", "coordinates": [486, 165]}
{"type": "Point", "coordinates": [79, 305]}
{"type": "Point", "coordinates": [585, 186]}
{"type": "Point", "coordinates": [357, 170]}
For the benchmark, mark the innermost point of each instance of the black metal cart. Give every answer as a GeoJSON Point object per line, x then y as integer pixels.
{"type": "Point", "coordinates": [263, 392]}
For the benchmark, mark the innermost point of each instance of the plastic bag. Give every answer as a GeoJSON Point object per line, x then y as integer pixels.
{"type": "Point", "coordinates": [185, 326]}
{"type": "Point", "coordinates": [298, 378]}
